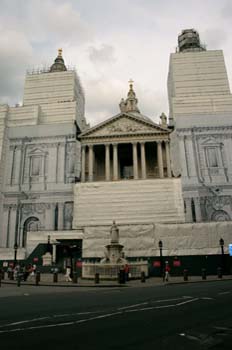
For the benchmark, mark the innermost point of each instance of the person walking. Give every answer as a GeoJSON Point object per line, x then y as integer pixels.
{"type": "Point", "coordinates": [67, 274]}
{"type": "Point", "coordinates": [166, 271]}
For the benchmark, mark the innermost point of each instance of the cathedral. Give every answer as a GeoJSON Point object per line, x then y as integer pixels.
{"type": "Point", "coordinates": [64, 182]}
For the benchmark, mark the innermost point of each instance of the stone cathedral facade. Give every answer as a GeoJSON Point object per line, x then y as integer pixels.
{"type": "Point", "coordinates": [172, 180]}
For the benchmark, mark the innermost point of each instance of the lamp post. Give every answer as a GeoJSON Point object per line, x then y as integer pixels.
{"type": "Point", "coordinates": [15, 253]}
{"type": "Point", "coordinates": [161, 257]}
{"type": "Point", "coordinates": [221, 242]}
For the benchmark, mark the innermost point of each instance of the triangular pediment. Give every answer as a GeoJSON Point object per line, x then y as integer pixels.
{"type": "Point", "coordinates": [210, 141]}
{"type": "Point", "coordinates": [122, 124]}
{"type": "Point", "coordinates": [36, 152]}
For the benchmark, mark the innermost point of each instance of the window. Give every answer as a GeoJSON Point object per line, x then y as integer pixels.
{"type": "Point", "coordinates": [36, 166]}
{"type": "Point", "coordinates": [212, 157]}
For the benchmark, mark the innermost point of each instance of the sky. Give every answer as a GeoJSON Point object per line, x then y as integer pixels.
{"type": "Point", "coordinates": [109, 42]}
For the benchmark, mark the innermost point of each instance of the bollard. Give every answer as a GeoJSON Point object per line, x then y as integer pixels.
{"type": "Point", "coordinates": [97, 278]}
{"type": "Point", "coordinates": [37, 278]}
{"type": "Point", "coordinates": [203, 274]}
{"type": "Point", "coordinates": [55, 277]}
{"type": "Point", "coordinates": [143, 277]}
{"type": "Point", "coordinates": [219, 272]}
{"type": "Point", "coordinates": [2, 274]}
{"type": "Point", "coordinates": [75, 278]}
{"type": "Point", "coordinates": [185, 273]}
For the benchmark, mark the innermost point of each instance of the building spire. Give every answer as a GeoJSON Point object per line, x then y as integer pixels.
{"type": "Point", "coordinates": [58, 65]}
{"type": "Point", "coordinates": [130, 104]}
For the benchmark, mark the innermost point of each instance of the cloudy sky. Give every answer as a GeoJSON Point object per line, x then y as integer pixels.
{"type": "Point", "coordinates": [109, 42]}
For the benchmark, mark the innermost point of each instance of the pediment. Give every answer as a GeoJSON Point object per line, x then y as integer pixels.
{"type": "Point", "coordinates": [36, 152]}
{"type": "Point", "coordinates": [124, 124]}
{"type": "Point", "coordinates": [210, 141]}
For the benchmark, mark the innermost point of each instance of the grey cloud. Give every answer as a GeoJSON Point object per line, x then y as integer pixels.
{"type": "Point", "coordinates": [214, 38]}
{"type": "Point", "coordinates": [16, 52]}
{"type": "Point", "coordinates": [226, 11]}
{"type": "Point", "coordinates": [105, 54]}
{"type": "Point", "coordinates": [57, 20]}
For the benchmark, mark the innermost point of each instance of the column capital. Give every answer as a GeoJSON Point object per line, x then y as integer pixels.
{"type": "Point", "coordinates": [159, 141]}
{"type": "Point", "coordinates": [167, 141]}
{"type": "Point", "coordinates": [90, 145]}
{"type": "Point", "coordinates": [142, 142]}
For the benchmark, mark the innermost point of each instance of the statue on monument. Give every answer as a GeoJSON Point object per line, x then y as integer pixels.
{"type": "Point", "coordinates": [114, 233]}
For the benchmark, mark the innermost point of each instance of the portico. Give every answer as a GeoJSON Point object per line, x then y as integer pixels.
{"type": "Point", "coordinates": [126, 146]}
{"type": "Point", "coordinates": [117, 160]}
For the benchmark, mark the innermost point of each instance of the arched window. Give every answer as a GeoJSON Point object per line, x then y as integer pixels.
{"type": "Point", "coordinates": [31, 224]}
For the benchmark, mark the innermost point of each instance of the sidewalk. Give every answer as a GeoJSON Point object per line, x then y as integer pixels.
{"type": "Point", "coordinates": [47, 280]}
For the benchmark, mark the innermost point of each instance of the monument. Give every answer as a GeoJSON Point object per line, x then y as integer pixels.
{"type": "Point", "coordinates": [114, 261]}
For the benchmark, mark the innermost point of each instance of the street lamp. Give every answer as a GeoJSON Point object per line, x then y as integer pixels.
{"type": "Point", "coordinates": [161, 257]}
{"type": "Point", "coordinates": [15, 252]}
{"type": "Point", "coordinates": [221, 242]}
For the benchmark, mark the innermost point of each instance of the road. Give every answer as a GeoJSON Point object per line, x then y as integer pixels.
{"type": "Point", "coordinates": [183, 316]}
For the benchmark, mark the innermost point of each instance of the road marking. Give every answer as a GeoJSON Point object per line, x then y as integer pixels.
{"type": "Point", "coordinates": [223, 328]}
{"type": "Point", "coordinates": [207, 298]}
{"type": "Point", "coordinates": [25, 321]}
{"type": "Point", "coordinates": [188, 336]}
{"type": "Point", "coordinates": [164, 300]}
{"type": "Point", "coordinates": [61, 324]}
{"type": "Point", "coordinates": [130, 306]}
{"type": "Point", "coordinates": [222, 293]}
{"type": "Point", "coordinates": [48, 317]}
{"type": "Point", "coordinates": [187, 301]}
{"type": "Point", "coordinates": [126, 309]}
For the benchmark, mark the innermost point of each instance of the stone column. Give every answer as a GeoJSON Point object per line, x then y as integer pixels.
{"type": "Point", "coordinates": [115, 161]}
{"type": "Point", "coordinates": [169, 174]}
{"type": "Point", "coordinates": [135, 161]}
{"type": "Point", "coordinates": [54, 253]}
{"type": "Point", "coordinates": [90, 162]}
{"type": "Point", "coordinates": [50, 216]}
{"type": "Point", "coordinates": [188, 210]}
{"type": "Point", "coordinates": [60, 216]}
{"type": "Point", "coordinates": [160, 160]}
{"type": "Point", "coordinates": [107, 162]}
{"type": "Point", "coordinates": [143, 160]}
{"type": "Point", "coordinates": [197, 209]}
{"type": "Point", "coordinates": [83, 149]}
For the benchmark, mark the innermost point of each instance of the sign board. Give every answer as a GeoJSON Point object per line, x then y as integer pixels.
{"type": "Point", "coordinates": [5, 264]}
{"type": "Point", "coordinates": [230, 249]}
{"type": "Point", "coordinates": [176, 263]}
{"type": "Point", "coordinates": [79, 264]}
{"type": "Point", "coordinates": [35, 259]}
{"type": "Point", "coordinates": [156, 263]}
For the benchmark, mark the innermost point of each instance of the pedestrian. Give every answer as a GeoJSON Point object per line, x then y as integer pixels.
{"type": "Point", "coordinates": [31, 271]}
{"type": "Point", "coordinates": [67, 274]}
{"type": "Point", "coordinates": [166, 271]}
{"type": "Point", "coordinates": [126, 270]}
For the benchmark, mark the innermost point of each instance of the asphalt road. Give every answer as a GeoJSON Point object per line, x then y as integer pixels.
{"type": "Point", "coordinates": [192, 316]}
